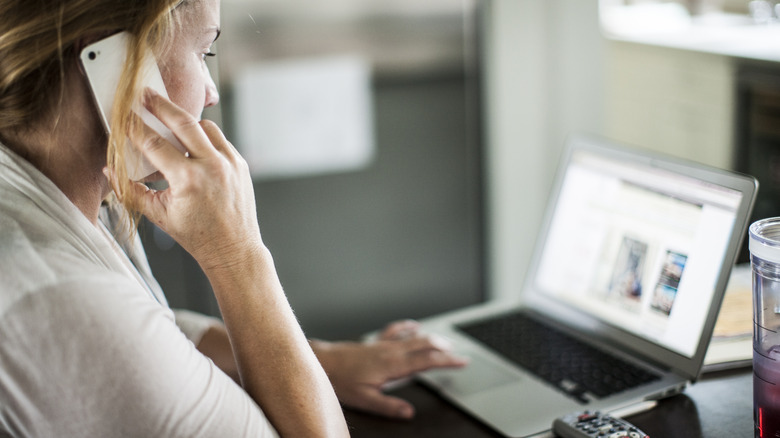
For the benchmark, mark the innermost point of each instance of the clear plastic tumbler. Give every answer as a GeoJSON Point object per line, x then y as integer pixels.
{"type": "Point", "coordinates": [765, 260]}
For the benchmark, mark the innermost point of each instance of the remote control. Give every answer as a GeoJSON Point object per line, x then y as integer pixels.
{"type": "Point", "coordinates": [595, 425]}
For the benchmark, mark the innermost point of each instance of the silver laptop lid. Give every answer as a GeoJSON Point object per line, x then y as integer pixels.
{"type": "Point", "coordinates": [642, 245]}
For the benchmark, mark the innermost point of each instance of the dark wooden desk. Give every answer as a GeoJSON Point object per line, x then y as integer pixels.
{"type": "Point", "coordinates": [718, 406]}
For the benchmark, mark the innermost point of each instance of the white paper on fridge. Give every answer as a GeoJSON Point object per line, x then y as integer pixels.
{"type": "Point", "coordinates": [305, 117]}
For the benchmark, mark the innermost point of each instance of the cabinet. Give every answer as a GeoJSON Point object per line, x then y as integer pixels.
{"type": "Point", "coordinates": [673, 101]}
{"type": "Point", "coordinates": [757, 145]}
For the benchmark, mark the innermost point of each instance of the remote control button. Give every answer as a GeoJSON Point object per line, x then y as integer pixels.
{"type": "Point", "coordinates": [596, 425]}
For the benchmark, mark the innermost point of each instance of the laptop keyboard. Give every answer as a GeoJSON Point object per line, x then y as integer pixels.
{"type": "Point", "coordinates": [568, 364]}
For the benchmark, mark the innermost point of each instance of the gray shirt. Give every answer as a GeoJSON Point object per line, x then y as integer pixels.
{"type": "Point", "coordinates": [88, 345]}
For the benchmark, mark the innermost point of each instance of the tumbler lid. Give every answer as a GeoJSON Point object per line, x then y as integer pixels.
{"type": "Point", "coordinates": [765, 239]}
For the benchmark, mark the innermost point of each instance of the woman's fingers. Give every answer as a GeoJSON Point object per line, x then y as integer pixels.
{"type": "Point", "coordinates": [403, 329]}
{"type": "Point", "coordinates": [148, 201]}
{"type": "Point", "coordinates": [163, 155]}
{"type": "Point", "coordinates": [371, 399]}
{"type": "Point", "coordinates": [430, 342]}
{"type": "Point", "coordinates": [200, 138]}
{"type": "Point", "coordinates": [218, 139]}
{"type": "Point", "coordinates": [183, 125]}
{"type": "Point", "coordinates": [426, 352]}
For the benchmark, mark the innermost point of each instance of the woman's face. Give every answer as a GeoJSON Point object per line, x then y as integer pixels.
{"type": "Point", "coordinates": [183, 64]}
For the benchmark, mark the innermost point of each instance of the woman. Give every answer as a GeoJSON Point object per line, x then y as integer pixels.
{"type": "Point", "coordinates": [88, 346]}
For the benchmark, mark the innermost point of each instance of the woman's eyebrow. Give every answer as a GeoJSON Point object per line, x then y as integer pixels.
{"type": "Point", "coordinates": [205, 37]}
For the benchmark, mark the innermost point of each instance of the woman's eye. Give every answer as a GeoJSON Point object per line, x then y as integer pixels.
{"type": "Point", "coordinates": [208, 54]}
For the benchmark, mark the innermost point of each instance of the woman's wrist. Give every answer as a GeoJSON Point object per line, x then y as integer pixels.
{"type": "Point", "coordinates": [247, 255]}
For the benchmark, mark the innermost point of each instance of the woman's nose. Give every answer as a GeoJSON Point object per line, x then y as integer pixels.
{"type": "Point", "coordinates": [212, 95]}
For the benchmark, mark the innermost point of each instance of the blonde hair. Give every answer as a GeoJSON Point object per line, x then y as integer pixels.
{"type": "Point", "coordinates": [39, 37]}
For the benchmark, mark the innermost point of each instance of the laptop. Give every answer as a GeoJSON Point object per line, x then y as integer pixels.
{"type": "Point", "coordinates": [621, 297]}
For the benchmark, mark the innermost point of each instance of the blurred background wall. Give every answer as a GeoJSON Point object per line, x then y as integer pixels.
{"type": "Point", "coordinates": [544, 77]}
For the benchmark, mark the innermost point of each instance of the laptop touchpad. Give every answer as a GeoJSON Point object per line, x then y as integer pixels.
{"type": "Point", "coordinates": [479, 375]}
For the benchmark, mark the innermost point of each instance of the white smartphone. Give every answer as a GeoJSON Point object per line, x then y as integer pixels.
{"type": "Point", "coordinates": [103, 63]}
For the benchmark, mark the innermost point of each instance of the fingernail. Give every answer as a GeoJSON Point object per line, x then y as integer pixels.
{"type": "Point", "coordinates": [441, 342]}
{"type": "Point", "coordinates": [406, 412]}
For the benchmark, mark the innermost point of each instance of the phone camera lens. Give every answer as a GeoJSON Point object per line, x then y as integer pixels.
{"type": "Point", "coordinates": [92, 56]}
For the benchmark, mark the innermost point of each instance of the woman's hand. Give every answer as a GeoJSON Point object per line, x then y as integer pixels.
{"type": "Point", "coordinates": [209, 207]}
{"type": "Point", "coordinates": [360, 371]}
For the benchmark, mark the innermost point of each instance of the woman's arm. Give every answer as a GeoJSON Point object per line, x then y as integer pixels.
{"type": "Point", "coordinates": [359, 371]}
{"type": "Point", "coordinates": [209, 209]}
{"type": "Point", "coordinates": [215, 344]}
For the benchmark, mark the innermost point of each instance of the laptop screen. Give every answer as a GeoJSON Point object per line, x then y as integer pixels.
{"type": "Point", "coordinates": [638, 247]}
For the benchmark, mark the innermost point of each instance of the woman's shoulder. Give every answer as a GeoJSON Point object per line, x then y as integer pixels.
{"type": "Point", "coordinates": [34, 263]}
{"type": "Point", "coordinates": [101, 297]}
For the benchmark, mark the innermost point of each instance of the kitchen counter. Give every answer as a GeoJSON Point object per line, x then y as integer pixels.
{"type": "Point", "coordinates": [670, 25]}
